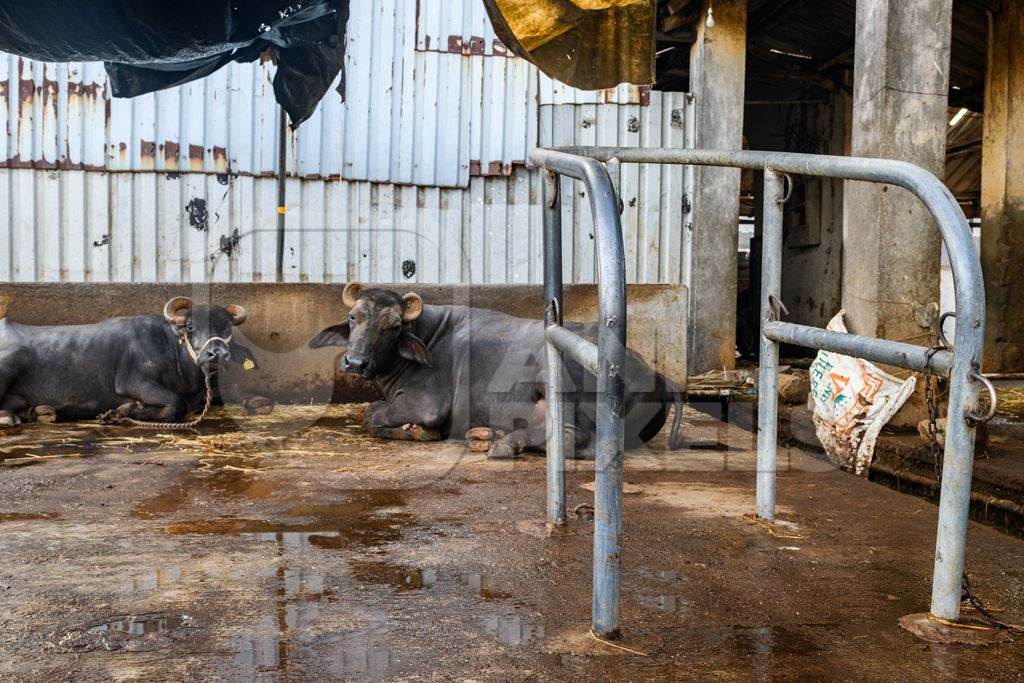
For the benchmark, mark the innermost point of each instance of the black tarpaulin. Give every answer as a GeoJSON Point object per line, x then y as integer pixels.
{"type": "Point", "coordinates": [150, 45]}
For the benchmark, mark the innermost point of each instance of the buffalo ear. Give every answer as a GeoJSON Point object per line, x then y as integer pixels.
{"type": "Point", "coordinates": [240, 354]}
{"type": "Point", "coordinates": [412, 348]}
{"type": "Point", "coordinates": [335, 335]}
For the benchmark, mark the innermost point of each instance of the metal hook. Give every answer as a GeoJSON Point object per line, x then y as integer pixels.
{"type": "Point", "coordinates": [941, 332]}
{"type": "Point", "coordinates": [993, 400]}
{"type": "Point", "coordinates": [774, 307]}
{"type": "Point", "coordinates": [789, 189]}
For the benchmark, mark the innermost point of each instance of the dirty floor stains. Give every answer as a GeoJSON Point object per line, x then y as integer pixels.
{"type": "Point", "coordinates": [293, 546]}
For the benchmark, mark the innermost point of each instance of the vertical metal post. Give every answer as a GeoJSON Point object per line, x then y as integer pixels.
{"type": "Point", "coordinates": [768, 389]}
{"type": "Point", "coordinates": [555, 364]}
{"type": "Point", "coordinates": [282, 164]}
{"type": "Point", "coordinates": [611, 353]}
{"type": "Point", "coordinates": [957, 463]}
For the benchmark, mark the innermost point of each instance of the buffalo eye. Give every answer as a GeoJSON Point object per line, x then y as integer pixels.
{"type": "Point", "coordinates": [189, 326]}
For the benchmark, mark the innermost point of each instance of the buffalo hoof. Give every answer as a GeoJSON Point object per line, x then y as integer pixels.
{"type": "Point", "coordinates": [480, 434]}
{"type": "Point", "coordinates": [258, 405]}
{"type": "Point", "coordinates": [8, 419]}
{"type": "Point", "coordinates": [420, 433]}
{"type": "Point", "coordinates": [480, 439]}
{"type": "Point", "coordinates": [501, 450]}
{"type": "Point", "coordinates": [44, 414]}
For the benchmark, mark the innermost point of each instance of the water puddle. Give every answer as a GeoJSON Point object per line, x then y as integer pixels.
{"type": "Point", "coordinates": [313, 431]}
{"type": "Point", "coordinates": [362, 654]}
{"type": "Point", "coordinates": [367, 519]}
{"type": "Point", "coordinates": [513, 628]}
{"type": "Point", "coordinates": [485, 586]}
{"type": "Point", "coordinates": [138, 626]}
{"type": "Point", "coordinates": [773, 641]}
{"type": "Point", "coordinates": [662, 591]}
{"type": "Point", "coordinates": [226, 477]}
{"type": "Point", "coordinates": [27, 516]}
{"type": "Point", "coordinates": [402, 578]}
{"type": "Point", "coordinates": [128, 632]}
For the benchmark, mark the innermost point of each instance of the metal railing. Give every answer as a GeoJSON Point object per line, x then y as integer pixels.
{"type": "Point", "coordinates": [961, 364]}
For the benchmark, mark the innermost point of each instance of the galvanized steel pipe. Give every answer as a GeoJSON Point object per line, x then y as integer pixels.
{"type": "Point", "coordinates": [555, 416]}
{"type": "Point", "coordinates": [576, 347]}
{"type": "Point", "coordinates": [970, 307]}
{"type": "Point", "coordinates": [909, 356]}
{"type": "Point", "coordinates": [768, 381]}
{"type": "Point", "coordinates": [611, 348]}
{"type": "Point", "coordinates": [958, 458]}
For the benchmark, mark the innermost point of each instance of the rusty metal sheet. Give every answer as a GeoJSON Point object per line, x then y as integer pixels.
{"type": "Point", "coordinates": [588, 44]}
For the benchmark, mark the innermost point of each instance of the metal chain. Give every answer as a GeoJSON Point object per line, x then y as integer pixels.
{"type": "Point", "coordinates": [931, 398]}
{"type": "Point", "coordinates": [125, 420]}
{"type": "Point", "coordinates": [984, 614]}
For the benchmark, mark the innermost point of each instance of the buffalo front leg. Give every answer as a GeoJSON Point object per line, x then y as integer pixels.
{"type": "Point", "coordinates": [404, 419]}
{"type": "Point", "coordinates": [11, 364]}
{"type": "Point", "coordinates": [532, 437]}
{"type": "Point", "coordinates": [156, 401]}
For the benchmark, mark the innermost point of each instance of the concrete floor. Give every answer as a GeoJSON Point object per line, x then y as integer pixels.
{"type": "Point", "coordinates": [293, 547]}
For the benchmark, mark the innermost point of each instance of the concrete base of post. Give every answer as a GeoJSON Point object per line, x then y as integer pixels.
{"type": "Point", "coordinates": [929, 628]}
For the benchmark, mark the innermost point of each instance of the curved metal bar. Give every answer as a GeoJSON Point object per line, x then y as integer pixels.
{"type": "Point", "coordinates": [583, 163]}
{"type": "Point", "coordinates": [970, 307]}
{"type": "Point", "coordinates": [611, 348]}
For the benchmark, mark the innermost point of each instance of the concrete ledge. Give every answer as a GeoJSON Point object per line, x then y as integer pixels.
{"type": "Point", "coordinates": [283, 317]}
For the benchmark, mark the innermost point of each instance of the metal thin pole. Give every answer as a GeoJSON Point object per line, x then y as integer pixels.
{"type": "Point", "coordinates": [611, 351]}
{"type": "Point", "coordinates": [282, 160]}
{"type": "Point", "coordinates": [768, 384]}
{"type": "Point", "coordinates": [957, 464]}
{"type": "Point", "coordinates": [555, 364]}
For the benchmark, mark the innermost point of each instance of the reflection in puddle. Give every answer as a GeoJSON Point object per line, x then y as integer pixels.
{"type": "Point", "coordinates": [402, 578]}
{"type": "Point", "coordinates": [286, 640]}
{"type": "Point", "coordinates": [485, 586]}
{"type": "Point", "coordinates": [672, 604]}
{"type": "Point", "coordinates": [149, 579]}
{"type": "Point", "coordinates": [773, 640]}
{"type": "Point", "coordinates": [140, 625]}
{"type": "Point", "coordinates": [360, 654]}
{"type": "Point", "coordinates": [664, 592]}
{"type": "Point", "coordinates": [513, 628]}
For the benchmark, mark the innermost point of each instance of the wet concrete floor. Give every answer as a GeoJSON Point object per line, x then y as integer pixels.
{"type": "Point", "coordinates": [293, 547]}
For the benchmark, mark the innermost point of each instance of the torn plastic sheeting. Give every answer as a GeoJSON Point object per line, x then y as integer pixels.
{"type": "Point", "coordinates": [150, 45]}
{"type": "Point", "coordinates": [853, 400]}
{"type": "Point", "coordinates": [587, 44]}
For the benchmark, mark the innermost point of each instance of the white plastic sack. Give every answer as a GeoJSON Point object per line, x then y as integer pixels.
{"type": "Point", "coordinates": [853, 400]}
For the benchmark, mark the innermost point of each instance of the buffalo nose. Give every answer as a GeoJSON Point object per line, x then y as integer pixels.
{"type": "Point", "coordinates": [217, 353]}
{"type": "Point", "coordinates": [355, 363]}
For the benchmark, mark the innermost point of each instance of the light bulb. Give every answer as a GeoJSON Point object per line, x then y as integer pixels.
{"type": "Point", "coordinates": [710, 23]}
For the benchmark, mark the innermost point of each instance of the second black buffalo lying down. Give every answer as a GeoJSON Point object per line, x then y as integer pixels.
{"type": "Point", "coordinates": [449, 371]}
{"type": "Point", "coordinates": [145, 367]}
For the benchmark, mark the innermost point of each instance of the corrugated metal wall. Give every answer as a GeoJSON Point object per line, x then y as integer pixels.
{"type": "Point", "coordinates": [419, 174]}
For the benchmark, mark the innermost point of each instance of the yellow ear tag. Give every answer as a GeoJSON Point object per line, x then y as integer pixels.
{"type": "Point", "coordinates": [248, 364]}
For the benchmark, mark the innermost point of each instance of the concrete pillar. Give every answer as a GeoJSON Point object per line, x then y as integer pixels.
{"type": "Point", "coordinates": [1002, 190]}
{"type": "Point", "coordinates": [717, 73]}
{"type": "Point", "coordinates": [891, 264]}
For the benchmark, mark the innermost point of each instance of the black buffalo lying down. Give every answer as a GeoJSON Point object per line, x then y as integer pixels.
{"type": "Point", "coordinates": [446, 371]}
{"type": "Point", "coordinates": [148, 367]}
